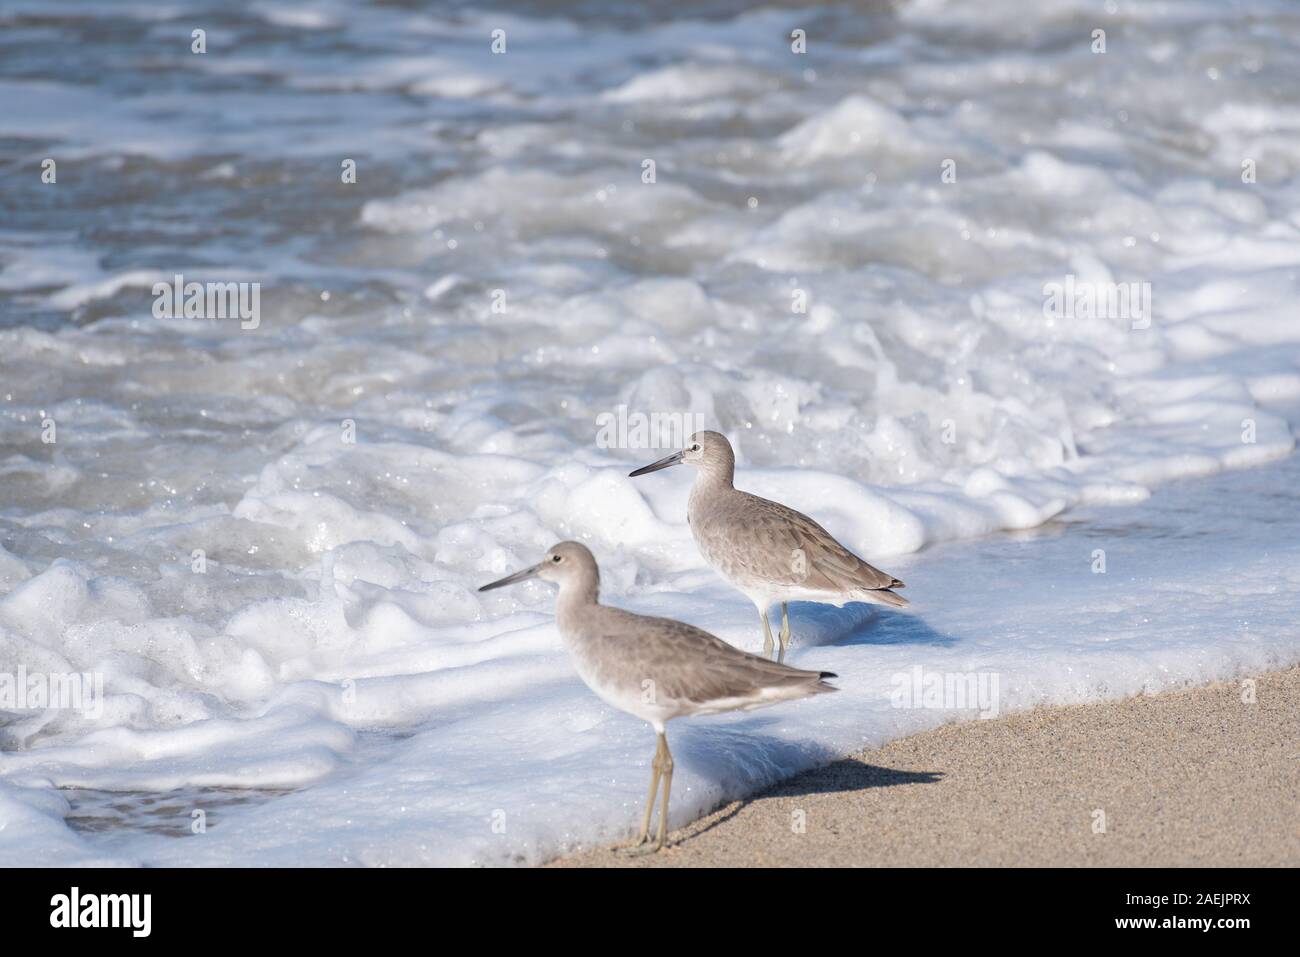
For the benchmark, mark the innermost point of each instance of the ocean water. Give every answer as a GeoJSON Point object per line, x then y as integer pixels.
{"type": "Point", "coordinates": [875, 264]}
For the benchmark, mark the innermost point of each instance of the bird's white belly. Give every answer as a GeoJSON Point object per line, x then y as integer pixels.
{"type": "Point", "coordinates": [767, 595]}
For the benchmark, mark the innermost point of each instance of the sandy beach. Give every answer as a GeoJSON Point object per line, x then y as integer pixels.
{"type": "Point", "coordinates": [1189, 777]}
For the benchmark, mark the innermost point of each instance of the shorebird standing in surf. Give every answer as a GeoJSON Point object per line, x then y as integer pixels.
{"type": "Point", "coordinates": [769, 551]}
{"type": "Point", "coordinates": [655, 668]}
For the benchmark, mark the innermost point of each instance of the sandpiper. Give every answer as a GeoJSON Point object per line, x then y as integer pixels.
{"type": "Point", "coordinates": [769, 551]}
{"type": "Point", "coordinates": [655, 668]}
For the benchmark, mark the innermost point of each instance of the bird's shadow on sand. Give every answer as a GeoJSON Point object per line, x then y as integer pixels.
{"type": "Point", "coordinates": [846, 774]}
{"type": "Point", "coordinates": [859, 623]}
{"type": "Point", "coordinates": [733, 754]}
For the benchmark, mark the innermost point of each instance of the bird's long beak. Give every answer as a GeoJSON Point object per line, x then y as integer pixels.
{"type": "Point", "coordinates": [524, 575]}
{"type": "Point", "coordinates": [663, 463]}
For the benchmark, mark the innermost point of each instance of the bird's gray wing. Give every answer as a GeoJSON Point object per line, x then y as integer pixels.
{"type": "Point", "coordinates": [687, 664]}
{"type": "Point", "coordinates": [794, 550]}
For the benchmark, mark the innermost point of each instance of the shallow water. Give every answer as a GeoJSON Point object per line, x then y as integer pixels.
{"type": "Point", "coordinates": [170, 814]}
{"type": "Point", "coordinates": [266, 540]}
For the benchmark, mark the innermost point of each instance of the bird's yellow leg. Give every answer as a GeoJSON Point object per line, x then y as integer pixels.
{"type": "Point", "coordinates": [784, 636]}
{"type": "Point", "coordinates": [767, 635]}
{"type": "Point", "coordinates": [656, 770]}
{"type": "Point", "coordinates": [667, 769]}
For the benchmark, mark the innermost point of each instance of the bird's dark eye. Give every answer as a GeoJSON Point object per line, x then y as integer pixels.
{"type": "Point", "coordinates": [555, 558]}
{"type": "Point", "coordinates": [695, 447]}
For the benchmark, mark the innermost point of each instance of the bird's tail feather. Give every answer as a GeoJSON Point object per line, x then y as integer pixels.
{"type": "Point", "coordinates": [882, 596]}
